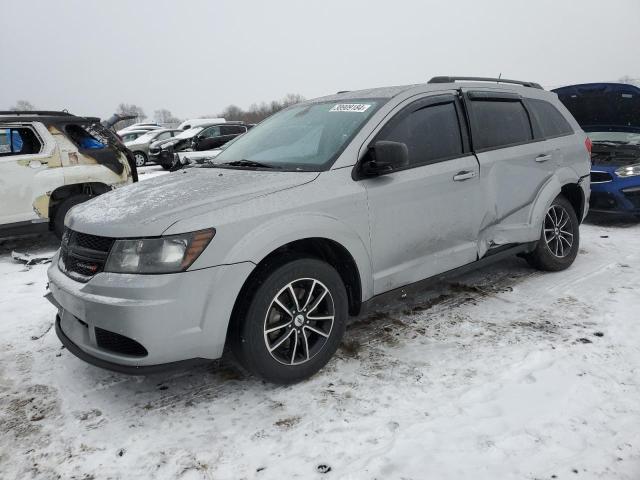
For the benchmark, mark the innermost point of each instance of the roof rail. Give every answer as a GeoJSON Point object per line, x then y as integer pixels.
{"type": "Point", "coordinates": [484, 79]}
{"type": "Point", "coordinates": [343, 91]}
{"type": "Point", "coordinates": [49, 113]}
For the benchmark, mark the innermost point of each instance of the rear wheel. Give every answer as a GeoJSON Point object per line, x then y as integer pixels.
{"type": "Point", "coordinates": [294, 322]}
{"type": "Point", "coordinates": [560, 238]}
{"type": "Point", "coordinates": [140, 158]}
{"type": "Point", "coordinates": [63, 208]}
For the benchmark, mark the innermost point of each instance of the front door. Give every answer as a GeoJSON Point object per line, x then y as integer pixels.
{"type": "Point", "coordinates": [20, 161]}
{"type": "Point", "coordinates": [424, 218]}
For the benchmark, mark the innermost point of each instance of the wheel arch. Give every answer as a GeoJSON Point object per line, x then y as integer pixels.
{"type": "Point", "coordinates": [565, 181]}
{"type": "Point", "coordinates": [321, 248]}
{"type": "Point", "coordinates": [575, 195]}
{"type": "Point", "coordinates": [63, 192]}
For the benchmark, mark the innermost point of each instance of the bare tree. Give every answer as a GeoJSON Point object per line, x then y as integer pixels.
{"type": "Point", "coordinates": [630, 80]}
{"type": "Point", "coordinates": [258, 112]}
{"type": "Point", "coordinates": [165, 117]}
{"type": "Point", "coordinates": [23, 105]}
{"type": "Point", "coordinates": [130, 109]}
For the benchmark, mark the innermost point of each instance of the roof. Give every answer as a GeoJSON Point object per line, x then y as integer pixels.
{"type": "Point", "coordinates": [436, 83]}
{"type": "Point", "coordinates": [44, 116]}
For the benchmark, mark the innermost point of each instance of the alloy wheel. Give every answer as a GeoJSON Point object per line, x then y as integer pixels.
{"type": "Point", "coordinates": [558, 231]}
{"type": "Point", "coordinates": [299, 321]}
{"type": "Point", "coordinates": [140, 160]}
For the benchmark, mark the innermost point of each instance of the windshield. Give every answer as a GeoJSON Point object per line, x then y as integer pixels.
{"type": "Point", "coordinates": [627, 138]}
{"type": "Point", "coordinates": [147, 137]}
{"type": "Point", "coordinates": [304, 137]}
{"type": "Point", "coordinates": [189, 133]}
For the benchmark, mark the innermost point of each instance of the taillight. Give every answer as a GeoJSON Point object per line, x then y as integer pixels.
{"type": "Point", "coordinates": [588, 144]}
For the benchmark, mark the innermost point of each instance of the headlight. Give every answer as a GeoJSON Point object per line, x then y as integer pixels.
{"type": "Point", "coordinates": [174, 253]}
{"type": "Point", "coordinates": [629, 171]}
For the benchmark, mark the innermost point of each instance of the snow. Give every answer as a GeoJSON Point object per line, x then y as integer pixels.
{"type": "Point", "coordinates": [503, 373]}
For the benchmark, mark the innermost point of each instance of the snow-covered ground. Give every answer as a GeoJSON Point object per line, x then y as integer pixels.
{"type": "Point", "coordinates": [505, 373]}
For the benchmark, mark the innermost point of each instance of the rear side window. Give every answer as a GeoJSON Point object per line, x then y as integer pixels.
{"type": "Point", "coordinates": [552, 123]}
{"type": "Point", "coordinates": [431, 133]}
{"type": "Point", "coordinates": [498, 123]}
{"type": "Point", "coordinates": [84, 140]}
{"type": "Point", "coordinates": [19, 141]}
{"type": "Point", "coordinates": [232, 129]}
{"type": "Point", "coordinates": [210, 132]}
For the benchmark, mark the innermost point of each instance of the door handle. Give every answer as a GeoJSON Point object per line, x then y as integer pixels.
{"type": "Point", "coordinates": [464, 175]}
{"type": "Point", "coordinates": [543, 158]}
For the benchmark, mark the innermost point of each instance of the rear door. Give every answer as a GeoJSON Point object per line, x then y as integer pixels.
{"type": "Point", "coordinates": [424, 218]}
{"type": "Point", "coordinates": [515, 162]}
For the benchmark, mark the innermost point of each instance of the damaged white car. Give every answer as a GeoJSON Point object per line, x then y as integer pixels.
{"type": "Point", "coordinates": [52, 161]}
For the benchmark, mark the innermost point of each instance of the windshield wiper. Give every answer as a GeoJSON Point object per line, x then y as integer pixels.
{"type": "Point", "coordinates": [248, 164]}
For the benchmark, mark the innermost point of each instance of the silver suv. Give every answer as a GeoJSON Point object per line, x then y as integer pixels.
{"type": "Point", "coordinates": [311, 217]}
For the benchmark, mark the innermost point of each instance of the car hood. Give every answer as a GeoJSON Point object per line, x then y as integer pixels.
{"type": "Point", "coordinates": [159, 143]}
{"type": "Point", "coordinates": [612, 106]}
{"type": "Point", "coordinates": [150, 207]}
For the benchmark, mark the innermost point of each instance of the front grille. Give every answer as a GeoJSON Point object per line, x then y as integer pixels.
{"type": "Point", "coordinates": [633, 196]}
{"type": "Point", "coordinates": [92, 242]}
{"type": "Point", "coordinates": [601, 177]}
{"type": "Point", "coordinates": [117, 343]}
{"type": "Point", "coordinates": [83, 255]}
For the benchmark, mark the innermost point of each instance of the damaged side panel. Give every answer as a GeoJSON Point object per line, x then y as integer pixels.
{"type": "Point", "coordinates": [57, 158]}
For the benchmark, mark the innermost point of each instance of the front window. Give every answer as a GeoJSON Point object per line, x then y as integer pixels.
{"type": "Point", "coordinates": [302, 137]}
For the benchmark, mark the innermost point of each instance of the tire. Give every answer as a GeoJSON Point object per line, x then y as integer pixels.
{"type": "Point", "coordinates": [140, 159]}
{"type": "Point", "coordinates": [61, 212]}
{"type": "Point", "coordinates": [557, 248]}
{"type": "Point", "coordinates": [285, 342]}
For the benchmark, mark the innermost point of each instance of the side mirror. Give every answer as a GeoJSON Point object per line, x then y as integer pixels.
{"type": "Point", "coordinates": [384, 157]}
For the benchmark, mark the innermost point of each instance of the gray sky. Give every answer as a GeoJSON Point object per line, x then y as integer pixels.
{"type": "Point", "coordinates": [195, 57]}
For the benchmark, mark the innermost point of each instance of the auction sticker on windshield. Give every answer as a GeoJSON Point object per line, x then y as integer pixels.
{"type": "Point", "coordinates": [350, 107]}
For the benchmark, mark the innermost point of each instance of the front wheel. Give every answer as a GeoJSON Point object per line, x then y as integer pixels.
{"type": "Point", "coordinates": [140, 158]}
{"type": "Point", "coordinates": [559, 240]}
{"type": "Point", "coordinates": [62, 210]}
{"type": "Point", "coordinates": [294, 321]}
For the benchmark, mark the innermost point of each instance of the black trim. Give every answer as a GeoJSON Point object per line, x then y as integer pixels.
{"type": "Point", "coordinates": [384, 299]}
{"type": "Point", "coordinates": [491, 96]}
{"type": "Point", "coordinates": [116, 367]}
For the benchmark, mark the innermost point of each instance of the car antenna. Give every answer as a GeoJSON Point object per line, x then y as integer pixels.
{"type": "Point", "coordinates": [499, 77]}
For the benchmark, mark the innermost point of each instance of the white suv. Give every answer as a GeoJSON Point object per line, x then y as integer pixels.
{"type": "Point", "coordinates": [51, 161]}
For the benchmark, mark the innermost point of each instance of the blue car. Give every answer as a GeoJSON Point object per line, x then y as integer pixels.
{"type": "Point", "coordinates": [610, 114]}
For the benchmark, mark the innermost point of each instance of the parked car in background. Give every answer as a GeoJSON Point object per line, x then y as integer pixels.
{"type": "Point", "coordinates": [137, 127]}
{"type": "Point", "coordinates": [131, 135]}
{"type": "Point", "coordinates": [610, 114]}
{"type": "Point", "coordinates": [312, 216]}
{"type": "Point", "coordinates": [205, 137]}
{"type": "Point", "coordinates": [197, 122]}
{"type": "Point", "coordinates": [52, 161]}
{"type": "Point", "coordinates": [140, 146]}
{"type": "Point", "coordinates": [187, 158]}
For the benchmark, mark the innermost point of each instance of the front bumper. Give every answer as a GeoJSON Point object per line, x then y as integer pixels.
{"type": "Point", "coordinates": [142, 323]}
{"type": "Point", "coordinates": [620, 195]}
